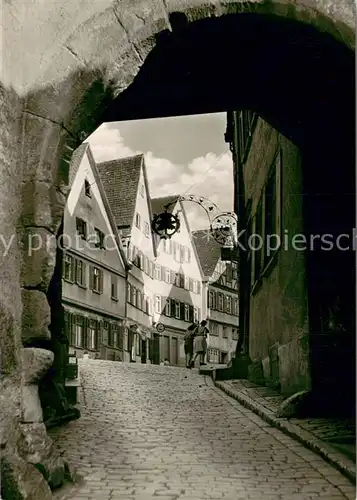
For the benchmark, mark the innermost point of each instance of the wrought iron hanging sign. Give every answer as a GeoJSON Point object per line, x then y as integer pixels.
{"type": "Point", "coordinates": [222, 226]}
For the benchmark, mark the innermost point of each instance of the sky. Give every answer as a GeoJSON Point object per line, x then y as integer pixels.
{"type": "Point", "coordinates": [183, 155]}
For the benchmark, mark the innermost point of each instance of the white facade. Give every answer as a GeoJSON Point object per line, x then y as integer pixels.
{"type": "Point", "coordinates": [94, 272]}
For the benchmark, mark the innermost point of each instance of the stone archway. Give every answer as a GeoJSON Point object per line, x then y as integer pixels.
{"type": "Point", "coordinates": [49, 106]}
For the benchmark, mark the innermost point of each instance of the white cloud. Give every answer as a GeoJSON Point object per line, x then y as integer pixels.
{"type": "Point", "coordinates": [209, 176]}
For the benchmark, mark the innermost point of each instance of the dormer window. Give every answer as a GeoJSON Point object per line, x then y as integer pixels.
{"type": "Point", "coordinates": [81, 228]}
{"type": "Point", "coordinates": [87, 189]}
{"type": "Point", "coordinates": [137, 220]}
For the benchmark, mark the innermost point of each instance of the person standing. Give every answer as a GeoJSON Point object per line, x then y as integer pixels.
{"type": "Point", "coordinates": [200, 343]}
{"type": "Point", "coordinates": [188, 343]}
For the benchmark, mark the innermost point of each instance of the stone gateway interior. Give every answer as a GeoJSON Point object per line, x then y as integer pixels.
{"type": "Point", "coordinates": [69, 67]}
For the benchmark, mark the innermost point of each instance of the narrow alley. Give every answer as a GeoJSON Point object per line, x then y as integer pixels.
{"type": "Point", "coordinates": [167, 433]}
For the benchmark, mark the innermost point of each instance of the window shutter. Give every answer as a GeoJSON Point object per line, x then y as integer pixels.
{"type": "Point", "coordinates": [182, 310]}
{"type": "Point", "coordinates": [172, 306]}
{"type": "Point", "coordinates": [172, 277]}
{"type": "Point", "coordinates": [163, 273]}
{"type": "Point", "coordinates": [85, 332]}
{"type": "Point", "coordinates": [63, 264]}
{"type": "Point", "coordinates": [91, 277]}
{"type": "Point", "coordinates": [101, 279]}
{"type": "Point", "coordinates": [190, 313]}
{"type": "Point", "coordinates": [198, 287]}
{"type": "Point", "coordinates": [182, 280]}
{"type": "Point", "coordinates": [190, 284]}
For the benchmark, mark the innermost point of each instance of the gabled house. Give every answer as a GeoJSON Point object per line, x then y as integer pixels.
{"type": "Point", "coordinates": [125, 182]}
{"type": "Point", "coordinates": [94, 265]}
{"type": "Point", "coordinates": [220, 293]}
{"type": "Point", "coordinates": [178, 283]}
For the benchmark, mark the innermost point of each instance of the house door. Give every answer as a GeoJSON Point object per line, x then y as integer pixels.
{"type": "Point", "coordinates": [174, 351]}
{"type": "Point", "coordinates": [143, 351]}
{"type": "Point", "coordinates": [155, 349]}
{"type": "Point", "coordinates": [166, 347]}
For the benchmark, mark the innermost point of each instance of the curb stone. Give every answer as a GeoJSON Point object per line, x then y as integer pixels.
{"type": "Point", "coordinates": [345, 466]}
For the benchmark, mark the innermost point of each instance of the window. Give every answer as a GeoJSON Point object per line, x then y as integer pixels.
{"type": "Point", "coordinates": [195, 315]}
{"type": "Point", "coordinates": [87, 189]}
{"type": "Point", "coordinates": [68, 268]}
{"type": "Point", "coordinates": [142, 190]}
{"type": "Point", "coordinates": [139, 304]}
{"type": "Point", "coordinates": [158, 304]}
{"type": "Point", "coordinates": [195, 286]}
{"type": "Point", "coordinates": [176, 248]}
{"type": "Point", "coordinates": [133, 296]}
{"type": "Point", "coordinates": [198, 287]}
{"type": "Point", "coordinates": [81, 228]}
{"type": "Point", "coordinates": [167, 275]}
{"type": "Point", "coordinates": [96, 276]}
{"type": "Point", "coordinates": [78, 331]}
{"type": "Point", "coordinates": [80, 272]}
{"type": "Point", "coordinates": [229, 304]}
{"type": "Point", "coordinates": [186, 254]}
{"type": "Point", "coordinates": [214, 328]}
{"type": "Point", "coordinates": [168, 307]}
{"type": "Point", "coordinates": [182, 254]}
{"type": "Point", "coordinates": [235, 307]}
{"type": "Point", "coordinates": [158, 272]}
{"type": "Point", "coordinates": [190, 284]}
{"type": "Point", "coordinates": [225, 331]}
{"type": "Point", "coordinates": [137, 220]}
{"type": "Point", "coordinates": [220, 302]}
{"type": "Point", "coordinates": [146, 229]}
{"type": "Point", "coordinates": [146, 265]}
{"type": "Point", "coordinates": [177, 279]}
{"type": "Point", "coordinates": [177, 310]}
{"type": "Point", "coordinates": [272, 212]}
{"type": "Point", "coordinates": [99, 238]}
{"type": "Point", "coordinates": [128, 293]}
{"type": "Point", "coordinates": [151, 269]}
{"type": "Point", "coordinates": [146, 307]}
{"type": "Point", "coordinates": [211, 300]}
{"type": "Point", "coordinates": [187, 313]}
{"type": "Point", "coordinates": [187, 283]}
{"type": "Point", "coordinates": [172, 277]}
{"type": "Point", "coordinates": [234, 334]}
{"type": "Point", "coordinates": [92, 339]}
{"type": "Point", "coordinates": [114, 288]}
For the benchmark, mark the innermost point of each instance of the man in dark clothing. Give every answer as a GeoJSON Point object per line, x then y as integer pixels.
{"type": "Point", "coordinates": [188, 343]}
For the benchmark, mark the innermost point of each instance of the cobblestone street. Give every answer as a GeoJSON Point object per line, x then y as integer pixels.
{"type": "Point", "coordinates": [167, 433]}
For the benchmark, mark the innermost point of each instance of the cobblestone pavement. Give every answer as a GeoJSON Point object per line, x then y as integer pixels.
{"type": "Point", "coordinates": [166, 433]}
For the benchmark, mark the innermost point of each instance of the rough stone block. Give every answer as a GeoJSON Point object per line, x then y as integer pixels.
{"type": "Point", "coordinates": [294, 367]}
{"type": "Point", "coordinates": [35, 364]}
{"type": "Point", "coordinates": [293, 406]}
{"type": "Point", "coordinates": [21, 481]}
{"type": "Point", "coordinates": [36, 444]}
{"type": "Point", "coordinates": [36, 204]}
{"type": "Point", "coordinates": [31, 405]}
{"type": "Point", "coordinates": [255, 372]}
{"type": "Point", "coordinates": [36, 316]}
{"type": "Point", "coordinates": [266, 369]}
{"type": "Point", "coordinates": [39, 257]}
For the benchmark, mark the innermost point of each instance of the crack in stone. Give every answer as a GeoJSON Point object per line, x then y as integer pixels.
{"type": "Point", "coordinates": [39, 226]}
{"type": "Point", "coordinates": [121, 24]}
{"type": "Point", "coordinates": [74, 54]}
{"type": "Point", "coordinates": [50, 120]}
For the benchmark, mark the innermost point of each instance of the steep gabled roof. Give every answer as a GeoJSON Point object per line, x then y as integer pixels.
{"type": "Point", "coordinates": [120, 179]}
{"type": "Point", "coordinates": [208, 250]}
{"type": "Point", "coordinates": [158, 204]}
{"type": "Point", "coordinates": [79, 153]}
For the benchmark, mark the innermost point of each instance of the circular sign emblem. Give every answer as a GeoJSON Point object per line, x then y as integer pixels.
{"type": "Point", "coordinates": [160, 327]}
{"type": "Point", "coordinates": [165, 225]}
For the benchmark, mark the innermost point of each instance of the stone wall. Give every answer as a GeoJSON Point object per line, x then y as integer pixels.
{"type": "Point", "coordinates": [278, 333]}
